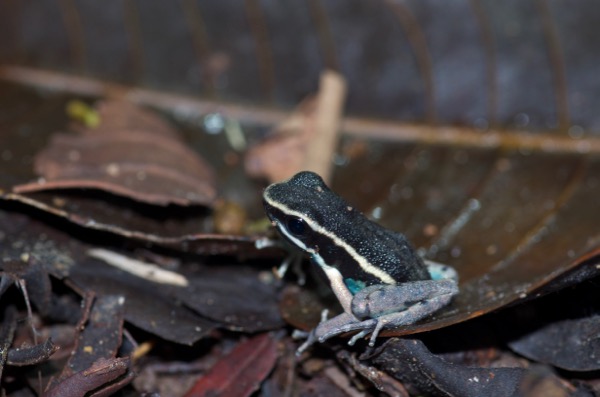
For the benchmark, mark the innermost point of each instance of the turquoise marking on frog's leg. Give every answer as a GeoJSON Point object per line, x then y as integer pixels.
{"type": "Point", "coordinates": [354, 285]}
{"type": "Point", "coordinates": [439, 271]}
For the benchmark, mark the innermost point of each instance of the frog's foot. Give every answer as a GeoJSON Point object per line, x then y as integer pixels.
{"type": "Point", "coordinates": [311, 337]}
{"type": "Point", "coordinates": [345, 323]}
{"type": "Point", "coordinates": [371, 326]}
{"type": "Point", "coordinates": [310, 340]}
{"type": "Point", "coordinates": [329, 328]}
{"type": "Point", "coordinates": [325, 330]}
{"type": "Point", "coordinates": [365, 327]}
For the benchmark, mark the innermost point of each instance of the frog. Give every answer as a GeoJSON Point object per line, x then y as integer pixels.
{"type": "Point", "coordinates": [376, 275]}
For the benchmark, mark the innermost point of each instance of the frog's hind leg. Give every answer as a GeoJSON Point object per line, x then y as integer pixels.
{"type": "Point", "coordinates": [365, 327]}
{"type": "Point", "coordinates": [409, 315]}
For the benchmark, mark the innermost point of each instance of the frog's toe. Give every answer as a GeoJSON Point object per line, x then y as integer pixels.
{"type": "Point", "coordinates": [323, 334]}
{"type": "Point", "coordinates": [380, 325]}
{"type": "Point", "coordinates": [358, 336]}
{"type": "Point", "coordinates": [299, 334]}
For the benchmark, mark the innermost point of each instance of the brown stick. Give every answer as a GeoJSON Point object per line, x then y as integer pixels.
{"type": "Point", "coordinates": [330, 103]}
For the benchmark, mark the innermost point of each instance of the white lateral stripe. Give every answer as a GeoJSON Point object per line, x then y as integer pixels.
{"type": "Point", "coordinates": [362, 262]}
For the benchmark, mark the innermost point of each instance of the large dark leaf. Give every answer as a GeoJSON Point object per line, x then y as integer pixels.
{"type": "Point", "coordinates": [509, 221]}
{"type": "Point", "coordinates": [234, 296]}
{"type": "Point", "coordinates": [518, 63]}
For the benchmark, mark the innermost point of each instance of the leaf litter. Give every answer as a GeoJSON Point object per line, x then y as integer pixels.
{"type": "Point", "coordinates": [513, 271]}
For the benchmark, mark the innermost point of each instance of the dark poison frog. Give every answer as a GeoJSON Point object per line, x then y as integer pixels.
{"type": "Point", "coordinates": [374, 272]}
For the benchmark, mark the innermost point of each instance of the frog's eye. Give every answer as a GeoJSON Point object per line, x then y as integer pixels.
{"type": "Point", "coordinates": [296, 226]}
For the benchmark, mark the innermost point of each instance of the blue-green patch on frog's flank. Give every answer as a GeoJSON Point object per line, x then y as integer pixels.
{"type": "Point", "coordinates": [354, 285]}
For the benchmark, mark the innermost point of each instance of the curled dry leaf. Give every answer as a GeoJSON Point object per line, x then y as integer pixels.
{"type": "Point", "coordinates": [307, 139]}
{"type": "Point", "coordinates": [131, 153]}
{"type": "Point", "coordinates": [101, 372]}
{"type": "Point", "coordinates": [146, 306]}
{"type": "Point", "coordinates": [93, 364]}
{"type": "Point", "coordinates": [569, 344]}
{"type": "Point", "coordinates": [100, 333]}
{"type": "Point", "coordinates": [31, 354]}
{"type": "Point", "coordinates": [411, 362]}
{"type": "Point", "coordinates": [282, 153]}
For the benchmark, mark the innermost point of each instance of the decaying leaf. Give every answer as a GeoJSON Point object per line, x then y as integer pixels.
{"type": "Point", "coordinates": [178, 227]}
{"type": "Point", "coordinates": [93, 365]}
{"type": "Point", "coordinates": [181, 229]}
{"type": "Point", "coordinates": [147, 305]}
{"type": "Point", "coordinates": [101, 378]}
{"type": "Point", "coordinates": [93, 210]}
{"type": "Point", "coordinates": [240, 372]}
{"type": "Point", "coordinates": [573, 345]}
{"type": "Point", "coordinates": [7, 333]}
{"type": "Point", "coordinates": [132, 154]}
{"type": "Point", "coordinates": [213, 299]}
{"type": "Point", "coordinates": [282, 154]}
{"type": "Point", "coordinates": [380, 379]}
{"type": "Point", "coordinates": [409, 361]}
{"type": "Point", "coordinates": [236, 297]}
{"type": "Point", "coordinates": [100, 334]}
{"type": "Point", "coordinates": [31, 355]}
{"type": "Point", "coordinates": [306, 140]}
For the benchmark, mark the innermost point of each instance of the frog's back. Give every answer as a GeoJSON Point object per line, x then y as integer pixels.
{"type": "Point", "coordinates": [387, 250]}
{"type": "Point", "coordinates": [377, 251]}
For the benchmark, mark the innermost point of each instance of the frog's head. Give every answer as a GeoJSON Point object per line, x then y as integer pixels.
{"type": "Point", "coordinates": [303, 209]}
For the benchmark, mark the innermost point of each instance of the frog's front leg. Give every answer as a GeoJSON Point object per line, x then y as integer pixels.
{"type": "Point", "coordinates": [380, 307]}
